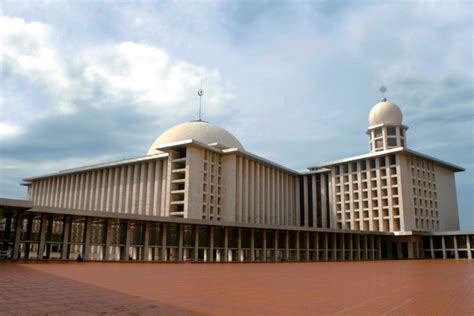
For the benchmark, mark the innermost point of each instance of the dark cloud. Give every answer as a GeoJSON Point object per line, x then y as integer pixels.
{"type": "Point", "coordinates": [88, 133]}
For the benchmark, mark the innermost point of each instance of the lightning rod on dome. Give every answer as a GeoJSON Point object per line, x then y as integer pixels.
{"type": "Point", "coordinates": [383, 89]}
{"type": "Point", "coordinates": [200, 94]}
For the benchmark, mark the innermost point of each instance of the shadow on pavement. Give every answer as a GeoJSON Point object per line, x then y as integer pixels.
{"type": "Point", "coordinates": [26, 291]}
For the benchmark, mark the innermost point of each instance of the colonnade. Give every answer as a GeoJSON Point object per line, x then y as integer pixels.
{"type": "Point", "coordinates": [68, 237]}
{"type": "Point", "coordinates": [449, 246]}
{"type": "Point", "coordinates": [33, 234]}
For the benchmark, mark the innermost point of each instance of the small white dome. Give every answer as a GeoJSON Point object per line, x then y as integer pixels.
{"type": "Point", "coordinates": [385, 112]}
{"type": "Point", "coordinates": [201, 131]}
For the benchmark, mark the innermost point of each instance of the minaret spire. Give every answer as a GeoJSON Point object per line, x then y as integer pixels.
{"type": "Point", "coordinates": [383, 89]}
{"type": "Point", "coordinates": [200, 94]}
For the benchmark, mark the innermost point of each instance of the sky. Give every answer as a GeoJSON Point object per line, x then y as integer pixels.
{"type": "Point", "coordinates": [84, 82]}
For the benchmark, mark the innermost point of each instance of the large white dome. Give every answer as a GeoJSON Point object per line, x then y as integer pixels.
{"type": "Point", "coordinates": [201, 131]}
{"type": "Point", "coordinates": [385, 112]}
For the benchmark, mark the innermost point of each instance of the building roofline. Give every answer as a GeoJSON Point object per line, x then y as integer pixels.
{"type": "Point", "coordinates": [97, 166]}
{"type": "Point", "coordinates": [440, 162]}
{"type": "Point", "coordinates": [315, 171]}
{"type": "Point", "coordinates": [16, 203]}
{"type": "Point", "coordinates": [443, 163]}
{"type": "Point", "coordinates": [229, 151]}
{"type": "Point", "coordinates": [267, 162]}
{"type": "Point", "coordinates": [322, 168]}
{"type": "Point", "coordinates": [344, 160]}
{"type": "Point", "coordinates": [370, 128]}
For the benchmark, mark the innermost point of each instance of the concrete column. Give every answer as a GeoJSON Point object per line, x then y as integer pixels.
{"type": "Point", "coordinates": [18, 229]}
{"type": "Point", "coordinates": [264, 245]}
{"type": "Point", "coordinates": [334, 246]}
{"type": "Point", "coordinates": [66, 233]}
{"type": "Point", "coordinates": [180, 241]}
{"type": "Point", "coordinates": [324, 206]}
{"type": "Point", "coordinates": [163, 242]}
{"type": "Point", "coordinates": [87, 238]}
{"type": "Point", "coordinates": [29, 228]}
{"type": "Point", "coordinates": [108, 240]}
{"type": "Point", "coordinates": [343, 246]}
{"type": "Point", "coordinates": [239, 243]}
{"type": "Point", "coordinates": [379, 247]}
{"type": "Point", "coordinates": [42, 235]}
{"type": "Point", "coordinates": [128, 240]}
{"type": "Point", "coordinates": [326, 246]}
{"type": "Point", "coordinates": [287, 245]}
{"type": "Point", "coordinates": [358, 253]}
{"type": "Point", "coordinates": [196, 243]}
{"type": "Point", "coordinates": [297, 245]}
{"type": "Point", "coordinates": [411, 251]}
{"type": "Point", "coordinates": [306, 240]}
{"type": "Point", "coordinates": [275, 246]}
{"type": "Point", "coordinates": [366, 248]}
{"type": "Point", "coordinates": [305, 201]}
{"type": "Point", "coordinates": [211, 243]}
{"type": "Point", "coordinates": [146, 242]}
{"type": "Point", "coordinates": [456, 252]}
{"type": "Point", "coordinates": [421, 251]}
{"type": "Point", "coordinates": [252, 245]}
{"type": "Point", "coordinates": [468, 246]}
{"type": "Point", "coordinates": [7, 231]}
{"type": "Point", "coordinates": [399, 250]}
{"type": "Point", "coordinates": [49, 233]}
{"type": "Point", "coordinates": [351, 247]}
{"type": "Point", "coordinates": [372, 246]}
{"type": "Point", "coordinates": [316, 245]}
{"type": "Point", "coordinates": [226, 244]}
{"type": "Point", "coordinates": [443, 244]}
{"type": "Point", "coordinates": [389, 249]}
{"type": "Point", "coordinates": [314, 206]}
{"type": "Point", "coordinates": [432, 248]}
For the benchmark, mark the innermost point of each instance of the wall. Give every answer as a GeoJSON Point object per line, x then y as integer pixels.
{"type": "Point", "coordinates": [366, 194]}
{"type": "Point", "coordinates": [314, 207]}
{"type": "Point", "coordinates": [264, 194]}
{"type": "Point", "coordinates": [447, 200]}
{"type": "Point", "coordinates": [136, 188]}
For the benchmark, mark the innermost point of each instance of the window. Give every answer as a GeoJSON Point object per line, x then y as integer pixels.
{"type": "Point", "coordinates": [393, 159]}
{"type": "Point", "coordinates": [378, 144]}
{"type": "Point", "coordinates": [378, 132]}
{"type": "Point", "coordinates": [392, 142]}
{"type": "Point", "coordinates": [354, 167]}
{"type": "Point", "coordinates": [372, 163]}
{"type": "Point", "coordinates": [391, 131]}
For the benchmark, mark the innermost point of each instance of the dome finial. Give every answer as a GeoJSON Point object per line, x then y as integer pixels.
{"type": "Point", "coordinates": [383, 89]}
{"type": "Point", "coordinates": [200, 94]}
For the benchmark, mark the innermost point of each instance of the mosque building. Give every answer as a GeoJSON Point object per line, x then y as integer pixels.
{"type": "Point", "coordinates": [197, 195]}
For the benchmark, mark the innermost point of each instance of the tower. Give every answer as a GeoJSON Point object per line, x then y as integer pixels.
{"type": "Point", "coordinates": [386, 130]}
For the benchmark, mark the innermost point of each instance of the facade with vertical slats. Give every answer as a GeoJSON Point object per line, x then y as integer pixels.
{"type": "Point", "coordinates": [200, 171]}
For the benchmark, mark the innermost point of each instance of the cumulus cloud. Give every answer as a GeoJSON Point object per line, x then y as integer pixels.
{"type": "Point", "coordinates": [147, 78]}
{"type": "Point", "coordinates": [9, 130]}
{"type": "Point", "coordinates": [130, 75]}
{"type": "Point", "coordinates": [28, 52]}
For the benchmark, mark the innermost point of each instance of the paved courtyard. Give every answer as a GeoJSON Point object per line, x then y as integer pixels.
{"type": "Point", "coordinates": [418, 287]}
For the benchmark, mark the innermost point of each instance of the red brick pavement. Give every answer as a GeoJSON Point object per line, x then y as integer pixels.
{"type": "Point", "coordinates": [418, 287]}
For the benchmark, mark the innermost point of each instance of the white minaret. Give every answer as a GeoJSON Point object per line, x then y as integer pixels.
{"type": "Point", "coordinates": [386, 130]}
